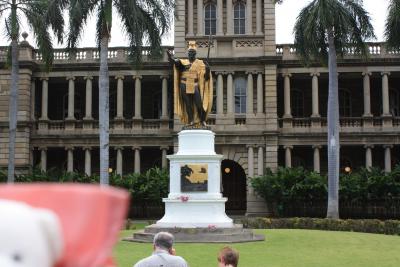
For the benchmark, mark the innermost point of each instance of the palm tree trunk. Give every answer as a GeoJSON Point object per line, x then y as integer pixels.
{"type": "Point", "coordinates": [104, 112]}
{"type": "Point", "coordinates": [13, 110]}
{"type": "Point", "coordinates": [333, 133]}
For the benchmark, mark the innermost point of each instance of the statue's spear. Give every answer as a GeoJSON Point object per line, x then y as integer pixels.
{"type": "Point", "coordinates": [208, 57]}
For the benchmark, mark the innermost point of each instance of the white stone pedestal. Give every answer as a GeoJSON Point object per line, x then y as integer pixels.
{"type": "Point", "coordinates": [188, 208]}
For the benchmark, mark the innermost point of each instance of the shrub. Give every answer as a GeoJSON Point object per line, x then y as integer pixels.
{"type": "Point", "coordinates": [150, 186]}
{"type": "Point", "coordinates": [390, 227]}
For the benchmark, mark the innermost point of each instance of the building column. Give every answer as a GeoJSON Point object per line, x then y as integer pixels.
{"type": "Point", "coordinates": [220, 94]}
{"type": "Point", "coordinates": [88, 98]}
{"type": "Point", "coordinates": [250, 97]}
{"type": "Point", "coordinates": [259, 9]}
{"type": "Point", "coordinates": [220, 18]}
{"type": "Point", "coordinates": [260, 90]}
{"type": "Point", "coordinates": [367, 94]}
{"type": "Point", "coordinates": [190, 18]}
{"type": "Point", "coordinates": [229, 19]}
{"type": "Point", "coordinates": [119, 160]}
{"type": "Point", "coordinates": [137, 159]}
{"type": "Point", "coordinates": [286, 92]}
{"type": "Point", "coordinates": [120, 97]}
{"type": "Point", "coordinates": [315, 95]}
{"type": "Point", "coordinates": [200, 18]}
{"type": "Point", "coordinates": [368, 156]}
{"type": "Point", "coordinates": [249, 17]}
{"type": "Point", "coordinates": [288, 156]}
{"type": "Point", "coordinates": [45, 96]}
{"type": "Point", "coordinates": [317, 159]}
{"type": "Point", "coordinates": [71, 98]}
{"type": "Point", "coordinates": [250, 161]}
{"type": "Point", "coordinates": [229, 95]}
{"type": "Point", "coordinates": [70, 159]}
{"type": "Point", "coordinates": [385, 94]}
{"type": "Point", "coordinates": [88, 161]}
{"type": "Point", "coordinates": [138, 97]}
{"type": "Point", "coordinates": [388, 158]}
{"type": "Point", "coordinates": [164, 162]}
{"type": "Point", "coordinates": [43, 158]}
{"type": "Point", "coordinates": [260, 161]}
{"type": "Point", "coordinates": [164, 97]}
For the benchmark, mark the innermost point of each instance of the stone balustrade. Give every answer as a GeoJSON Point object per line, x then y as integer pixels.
{"type": "Point", "coordinates": [376, 50]}
{"type": "Point", "coordinates": [220, 47]}
{"type": "Point", "coordinates": [60, 125]}
{"type": "Point", "coordinates": [118, 54]}
{"type": "Point", "coordinates": [345, 122]}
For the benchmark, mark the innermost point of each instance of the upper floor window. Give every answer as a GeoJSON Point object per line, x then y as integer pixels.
{"type": "Point", "coordinates": [210, 19]}
{"type": "Point", "coordinates": [240, 95]}
{"type": "Point", "coordinates": [297, 100]}
{"type": "Point", "coordinates": [345, 109]}
{"type": "Point", "coordinates": [394, 102]}
{"type": "Point", "coordinates": [239, 18]}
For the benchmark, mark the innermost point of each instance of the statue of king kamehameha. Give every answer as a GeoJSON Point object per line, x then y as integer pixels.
{"type": "Point", "coordinates": [193, 88]}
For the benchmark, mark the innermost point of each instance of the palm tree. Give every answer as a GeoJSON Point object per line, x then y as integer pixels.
{"type": "Point", "coordinates": [40, 15]}
{"type": "Point", "coordinates": [392, 26]}
{"type": "Point", "coordinates": [323, 30]}
{"type": "Point", "coordinates": [144, 22]}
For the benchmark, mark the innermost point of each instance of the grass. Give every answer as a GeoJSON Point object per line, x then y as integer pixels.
{"type": "Point", "coordinates": [284, 248]}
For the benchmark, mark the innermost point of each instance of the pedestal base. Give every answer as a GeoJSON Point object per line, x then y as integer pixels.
{"type": "Point", "coordinates": [235, 234]}
{"type": "Point", "coordinates": [195, 213]}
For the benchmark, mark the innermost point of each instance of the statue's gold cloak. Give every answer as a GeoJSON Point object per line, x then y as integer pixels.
{"type": "Point", "coordinates": [205, 88]}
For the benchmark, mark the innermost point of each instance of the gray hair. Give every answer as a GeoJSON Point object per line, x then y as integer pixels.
{"type": "Point", "coordinates": [163, 240]}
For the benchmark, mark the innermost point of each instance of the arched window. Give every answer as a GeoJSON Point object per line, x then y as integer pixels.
{"type": "Point", "coordinates": [394, 102]}
{"type": "Point", "coordinates": [240, 95]}
{"type": "Point", "coordinates": [345, 109]}
{"type": "Point", "coordinates": [239, 18]}
{"type": "Point", "coordinates": [210, 19]}
{"type": "Point", "coordinates": [297, 99]}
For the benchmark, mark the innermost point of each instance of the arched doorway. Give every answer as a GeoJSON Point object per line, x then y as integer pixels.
{"type": "Point", "coordinates": [234, 187]}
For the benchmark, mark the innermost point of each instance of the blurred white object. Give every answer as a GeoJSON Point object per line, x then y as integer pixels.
{"type": "Point", "coordinates": [29, 237]}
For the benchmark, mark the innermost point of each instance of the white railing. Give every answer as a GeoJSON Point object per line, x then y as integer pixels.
{"type": "Point", "coordinates": [90, 54]}
{"type": "Point", "coordinates": [374, 50]}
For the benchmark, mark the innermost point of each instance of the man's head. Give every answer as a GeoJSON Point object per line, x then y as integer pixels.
{"type": "Point", "coordinates": [228, 257]}
{"type": "Point", "coordinates": [164, 241]}
{"type": "Point", "coordinates": [192, 50]}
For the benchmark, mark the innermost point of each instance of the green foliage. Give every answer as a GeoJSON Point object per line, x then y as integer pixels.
{"type": "Point", "coordinates": [292, 184]}
{"type": "Point", "coordinates": [346, 21]}
{"type": "Point", "coordinates": [289, 184]}
{"type": "Point", "coordinates": [392, 25]}
{"type": "Point", "coordinates": [390, 227]}
{"type": "Point", "coordinates": [150, 186]}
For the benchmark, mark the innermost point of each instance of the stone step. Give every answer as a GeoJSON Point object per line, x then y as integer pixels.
{"type": "Point", "coordinates": [199, 235]}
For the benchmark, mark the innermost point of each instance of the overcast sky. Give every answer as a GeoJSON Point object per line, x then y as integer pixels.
{"type": "Point", "coordinates": [286, 14]}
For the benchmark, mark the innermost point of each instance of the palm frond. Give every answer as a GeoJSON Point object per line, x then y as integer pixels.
{"type": "Point", "coordinates": [144, 23]}
{"type": "Point", "coordinates": [348, 21]}
{"type": "Point", "coordinates": [35, 16]}
{"type": "Point", "coordinates": [392, 25]}
{"type": "Point", "coordinates": [12, 23]}
{"type": "Point", "coordinates": [79, 11]}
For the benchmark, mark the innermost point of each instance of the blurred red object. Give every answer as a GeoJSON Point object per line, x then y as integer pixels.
{"type": "Point", "coordinates": [91, 217]}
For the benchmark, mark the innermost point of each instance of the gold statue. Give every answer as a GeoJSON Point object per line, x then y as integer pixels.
{"type": "Point", "coordinates": [193, 88]}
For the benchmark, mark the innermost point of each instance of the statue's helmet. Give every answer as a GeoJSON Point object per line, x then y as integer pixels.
{"type": "Point", "coordinates": [192, 46]}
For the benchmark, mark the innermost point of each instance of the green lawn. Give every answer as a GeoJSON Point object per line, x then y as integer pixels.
{"type": "Point", "coordinates": [285, 248]}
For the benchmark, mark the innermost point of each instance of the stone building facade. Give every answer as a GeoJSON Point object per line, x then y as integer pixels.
{"type": "Point", "coordinates": [269, 110]}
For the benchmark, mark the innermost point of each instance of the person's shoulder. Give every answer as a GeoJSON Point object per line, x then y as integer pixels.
{"type": "Point", "coordinates": [143, 262]}
{"type": "Point", "coordinates": [181, 261]}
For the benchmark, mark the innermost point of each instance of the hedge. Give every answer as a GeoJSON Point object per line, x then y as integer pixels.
{"type": "Point", "coordinates": [389, 227]}
{"type": "Point", "coordinates": [148, 187]}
